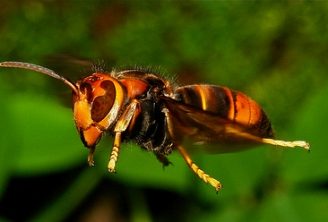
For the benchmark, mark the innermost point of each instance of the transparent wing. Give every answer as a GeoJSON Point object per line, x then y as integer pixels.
{"type": "Point", "coordinates": [224, 135]}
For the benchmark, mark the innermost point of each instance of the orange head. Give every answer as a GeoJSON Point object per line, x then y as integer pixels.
{"type": "Point", "coordinates": [96, 106]}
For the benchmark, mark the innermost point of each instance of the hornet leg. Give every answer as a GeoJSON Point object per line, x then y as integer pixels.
{"type": "Point", "coordinates": [115, 151]}
{"type": "Point", "coordinates": [91, 162]}
{"type": "Point", "coordinates": [280, 143]}
{"type": "Point", "coordinates": [121, 126]}
{"type": "Point", "coordinates": [199, 172]}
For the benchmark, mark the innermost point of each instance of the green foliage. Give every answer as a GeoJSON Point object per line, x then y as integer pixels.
{"type": "Point", "coordinates": [274, 51]}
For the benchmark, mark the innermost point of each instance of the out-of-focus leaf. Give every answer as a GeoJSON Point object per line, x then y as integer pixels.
{"type": "Point", "coordinates": [8, 149]}
{"type": "Point", "coordinates": [238, 172]}
{"type": "Point", "coordinates": [227, 211]}
{"type": "Point", "coordinates": [300, 166]}
{"type": "Point", "coordinates": [138, 167]}
{"type": "Point", "coordinates": [311, 206]}
{"type": "Point", "coordinates": [44, 133]}
{"type": "Point", "coordinates": [278, 208]}
{"type": "Point", "coordinates": [294, 207]}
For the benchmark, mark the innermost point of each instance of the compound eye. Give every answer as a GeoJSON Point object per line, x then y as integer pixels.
{"type": "Point", "coordinates": [102, 105]}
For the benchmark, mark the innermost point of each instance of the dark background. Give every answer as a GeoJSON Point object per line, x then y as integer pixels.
{"type": "Point", "coordinates": [274, 51]}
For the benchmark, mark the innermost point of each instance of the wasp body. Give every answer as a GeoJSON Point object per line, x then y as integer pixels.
{"type": "Point", "coordinates": [146, 108]}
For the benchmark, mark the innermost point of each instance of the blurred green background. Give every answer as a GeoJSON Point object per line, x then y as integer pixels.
{"type": "Point", "coordinates": [275, 51]}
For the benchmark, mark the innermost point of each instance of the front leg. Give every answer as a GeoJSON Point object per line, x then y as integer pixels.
{"type": "Point", "coordinates": [115, 151]}
{"type": "Point", "coordinates": [122, 124]}
{"type": "Point", "coordinates": [91, 162]}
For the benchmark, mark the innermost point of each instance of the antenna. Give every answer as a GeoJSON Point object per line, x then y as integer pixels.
{"type": "Point", "coordinates": [40, 69]}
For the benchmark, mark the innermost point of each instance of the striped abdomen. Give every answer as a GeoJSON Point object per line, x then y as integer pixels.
{"type": "Point", "coordinates": [227, 104]}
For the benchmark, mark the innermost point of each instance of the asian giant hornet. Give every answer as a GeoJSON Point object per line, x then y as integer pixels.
{"type": "Point", "coordinates": [143, 107]}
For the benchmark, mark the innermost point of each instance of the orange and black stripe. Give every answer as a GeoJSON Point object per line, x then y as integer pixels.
{"type": "Point", "coordinates": [227, 104]}
{"type": "Point", "coordinates": [209, 98]}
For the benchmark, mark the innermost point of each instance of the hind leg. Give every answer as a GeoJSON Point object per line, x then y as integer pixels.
{"type": "Point", "coordinates": [199, 172]}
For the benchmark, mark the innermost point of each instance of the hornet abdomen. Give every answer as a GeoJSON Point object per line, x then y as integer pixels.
{"type": "Point", "coordinates": [227, 104]}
